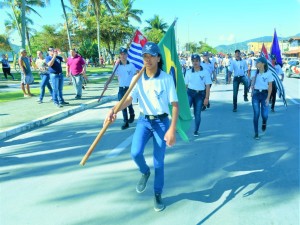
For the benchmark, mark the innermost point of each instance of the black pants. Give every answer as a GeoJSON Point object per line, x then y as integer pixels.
{"type": "Point", "coordinates": [6, 71]}
{"type": "Point", "coordinates": [273, 95]}
{"type": "Point", "coordinates": [122, 91]}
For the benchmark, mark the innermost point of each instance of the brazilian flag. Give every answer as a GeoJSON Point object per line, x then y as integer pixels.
{"type": "Point", "coordinates": [167, 47]}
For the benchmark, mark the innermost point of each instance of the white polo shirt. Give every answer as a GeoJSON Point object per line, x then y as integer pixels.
{"type": "Point", "coordinates": [262, 80]}
{"type": "Point", "coordinates": [209, 67]}
{"type": "Point", "coordinates": [197, 80]}
{"type": "Point", "coordinates": [238, 67]}
{"type": "Point", "coordinates": [125, 74]}
{"type": "Point", "coordinates": [155, 94]}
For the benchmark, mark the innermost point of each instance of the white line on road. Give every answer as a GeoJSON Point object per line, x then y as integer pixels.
{"type": "Point", "coordinates": [293, 100]}
{"type": "Point", "coordinates": [116, 151]}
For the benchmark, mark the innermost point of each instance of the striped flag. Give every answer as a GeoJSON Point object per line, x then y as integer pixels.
{"type": "Point", "coordinates": [135, 50]}
{"type": "Point", "coordinates": [280, 88]}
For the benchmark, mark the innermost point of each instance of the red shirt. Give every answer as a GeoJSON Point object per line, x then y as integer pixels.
{"type": "Point", "coordinates": [75, 64]}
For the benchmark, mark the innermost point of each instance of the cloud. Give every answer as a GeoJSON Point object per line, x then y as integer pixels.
{"type": "Point", "coordinates": [228, 38]}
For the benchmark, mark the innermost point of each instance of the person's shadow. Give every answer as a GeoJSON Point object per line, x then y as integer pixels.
{"type": "Point", "coordinates": [268, 172]}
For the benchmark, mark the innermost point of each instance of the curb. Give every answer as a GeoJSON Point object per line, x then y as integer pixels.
{"type": "Point", "coordinates": [51, 118]}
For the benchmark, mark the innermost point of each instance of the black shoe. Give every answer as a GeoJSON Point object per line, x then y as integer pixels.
{"type": "Point", "coordinates": [196, 134]}
{"type": "Point", "coordinates": [158, 203]}
{"type": "Point", "coordinates": [272, 110]}
{"type": "Point", "coordinates": [77, 97]}
{"type": "Point", "coordinates": [208, 105]}
{"type": "Point", "coordinates": [203, 108]}
{"type": "Point", "coordinates": [264, 127]}
{"type": "Point", "coordinates": [246, 99]}
{"type": "Point", "coordinates": [65, 103]}
{"type": "Point", "coordinates": [234, 110]}
{"type": "Point", "coordinates": [83, 87]}
{"type": "Point", "coordinates": [256, 137]}
{"type": "Point", "coordinates": [142, 184]}
{"type": "Point", "coordinates": [125, 126]}
{"type": "Point", "coordinates": [131, 118]}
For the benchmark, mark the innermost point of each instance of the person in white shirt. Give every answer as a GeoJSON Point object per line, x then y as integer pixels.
{"type": "Point", "coordinates": [42, 67]}
{"type": "Point", "coordinates": [125, 73]}
{"type": "Point", "coordinates": [155, 92]}
{"type": "Point", "coordinates": [209, 67]}
{"type": "Point", "coordinates": [261, 91]}
{"type": "Point", "coordinates": [226, 63]}
{"type": "Point", "coordinates": [239, 68]}
{"type": "Point", "coordinates": [198, 83]}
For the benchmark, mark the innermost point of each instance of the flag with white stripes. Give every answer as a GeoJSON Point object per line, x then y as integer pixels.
{"type": "Point", "coordinates": [279, 85]}
{"type": "Point", "coordinates": [135, 50]}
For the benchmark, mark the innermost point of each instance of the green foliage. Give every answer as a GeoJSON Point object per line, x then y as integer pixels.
{"type": "Point", "coordinates": [154, 35]}
{"type": "Point", "coordinates": [4, 43]}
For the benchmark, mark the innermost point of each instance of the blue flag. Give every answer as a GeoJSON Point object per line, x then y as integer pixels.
{"type": "Point", "coordinates": [275, 49]}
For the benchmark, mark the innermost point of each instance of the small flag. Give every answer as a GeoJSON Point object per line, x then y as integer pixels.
{"type": "Point", "coordinates": [275, 49]}
{"type": "Point", "coordinates": [135, 50]}
{"type": "Point", "coordinates": [279, 85]}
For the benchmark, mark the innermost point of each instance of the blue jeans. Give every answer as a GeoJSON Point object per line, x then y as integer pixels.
{"type": "Point", "coordinates": [57, 81]}
{"type": "Point", "coordinates": [121, 93]}
{"type": "Point", "coordinates": [226, 74]}
{"type": "Point", "coordinates": [236, 84]}
{"type": "Point", "coordinates": [45, 82]}
{"type": "Point", "coordinates": [259, 105]}
{"type": "Point", "coordinates": [196, 100]}
{"type": "Point", "coordinates": [145, 129]}
{"type": "Point", "coordinates": [77, 84]}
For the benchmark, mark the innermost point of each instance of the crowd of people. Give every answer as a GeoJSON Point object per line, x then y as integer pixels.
{"type": "Point", "coordinates": [155, 92]}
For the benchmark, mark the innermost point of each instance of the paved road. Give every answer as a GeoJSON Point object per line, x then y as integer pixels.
{"type": "Point", "coordinates": [222, 177]}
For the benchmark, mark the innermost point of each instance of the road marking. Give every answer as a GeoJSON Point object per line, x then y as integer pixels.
{"type": "Point", "coordinates": [293, 100]}
{"type": "Point", "coordinates": [116, 151]}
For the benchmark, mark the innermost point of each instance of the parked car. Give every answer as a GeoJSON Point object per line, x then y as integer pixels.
{"type": "Point", "coordinates": [291, 68]}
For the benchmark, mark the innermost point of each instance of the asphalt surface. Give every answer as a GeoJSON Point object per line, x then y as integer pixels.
{"type": "Point", "coordinates": [26, 114]}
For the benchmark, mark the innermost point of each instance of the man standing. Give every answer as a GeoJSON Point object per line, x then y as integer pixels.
{"type": "Point", "coordinates": [125, 72]}
{"type": "Point", "coordinates": [75, 68]}
{"type": "Point", "coordinates": [26, 74]}
{"type": "Point", "coordinates": [56, 76]}
{"type": "Point", "coordinates": [239, 68]}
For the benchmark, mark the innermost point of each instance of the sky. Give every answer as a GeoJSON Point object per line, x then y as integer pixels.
{"type": "Point", "coordinates": [214, 22]}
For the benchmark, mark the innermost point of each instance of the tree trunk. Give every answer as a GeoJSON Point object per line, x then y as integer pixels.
{"type": "Point", "coordinates": [28, 41]}
{"type": "Point", "coordinates": [67, 24]}
{"type": "Point", "coordinates": [98, 36]}
{"type": "Point", "coordinates": [23, 22]}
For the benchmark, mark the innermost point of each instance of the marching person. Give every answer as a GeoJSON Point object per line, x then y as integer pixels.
{"type": "Point", "coordinates": [261, 91]}
{"type": "Point", "coordinates": [44, 75]}
{"type": "Point", "coordinates": [155, 91]}
{"type": "Point", "coordinates": [239, 68]}
{"type": "Point", "coordinates": [54, 61]}
{"type": "Point", "coordinates": [6, 67]}
{"type": "Point", "coordinates": [274, 88]}
{"type": "Point", "coordinates": [75, 68]}
{"type": "Point", "coordinates": [210, 68]}
{"type": "Point", "coordinates": [26, 74]}
{"type": "Point", "coordinates": [198, 83]}
{"type": "Point", "coordinates": [125, 72]}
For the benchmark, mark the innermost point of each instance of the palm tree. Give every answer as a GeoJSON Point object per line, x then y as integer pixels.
{"type": "Point", "coordinates": [20, 9]}
{"type": "Point", "coordinates": [97, 9]}
{"type": "Point", "coordinates": [67, 24]}
{"type": "Point", "coordinates": [156, 23]}
{"type": "Point", "coordinates": [124, 7]}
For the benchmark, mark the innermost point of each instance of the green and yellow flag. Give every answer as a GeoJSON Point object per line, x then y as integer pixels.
{"type": "Point", "coordinates": [167, 47]}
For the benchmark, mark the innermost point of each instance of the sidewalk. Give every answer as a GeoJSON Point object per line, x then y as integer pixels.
{"type": "Point", "coordinates": [26, 114]}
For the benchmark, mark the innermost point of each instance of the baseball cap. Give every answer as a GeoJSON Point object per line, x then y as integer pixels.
{"type": "Point", "coordinates": [205, 54]}
{"type": "Point", "coordinates": [123, 50]}
{"type": "Point", "coordinates": [151, 48]}
{"type": "Point", "coordinates": [195, 56]}
{"type": "Point", "coordinates": [262, 60]}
